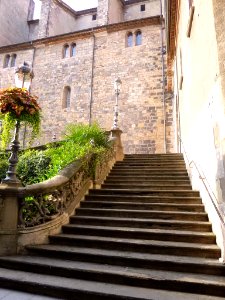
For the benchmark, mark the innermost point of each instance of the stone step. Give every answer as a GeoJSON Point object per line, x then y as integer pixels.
{"type": "Point", "coordinates": [157, 155]}
{"type": "Point", "coordinates": [146, 192]}
{"type": "Point", "coordinates": [152, 214]}
{"type": "Point", "coordinates": [80, 289]}
{"type": "Point", "coordinates": [143, 206]}
{"type": "Point", "coordinates": [196, 265]}
{"type": "Point", "coordinates": [142, 223]}
{"type": "Point", "coordinates": [149, 171]}
{"type": "Point", "coordinates": [146, 234]}
{"type": "Point", "coordinates": [150, 167]}
{"type": "Point", "coordinates": [162, 169]}
{"type": "Point", "coordinates": [143, 186]}
{"type": "Point", "coordinates": [145, 199]}
{"type": "Point", "coordinates": [138, 245]}
{"type": "Point", "coordinates": [150, 162]}
{"type": "Point", "coordinates": [159, 177]}
{"type": "Point", "coordinates": [152, 181]}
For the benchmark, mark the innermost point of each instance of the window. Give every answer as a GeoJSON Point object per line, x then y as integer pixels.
{"type": "Point", "coordinates": [6, 61]}
{"type": "Point", "coordinates": [94, 17]}
{"type": "Point", "coordinates": [142, 7]}
{"type": "Point", "coordinates": [13, 60]}
{"type": "Point", "coordinates": [73, 49]}
{"type": "Point", "coordinates": [66, 97]}
{"type": "Point", "coordinates": [66, 51]}
{"type": "Point", "coordinates": [138, 38]}
{"type": "Point", "coordinates": [129, 39]}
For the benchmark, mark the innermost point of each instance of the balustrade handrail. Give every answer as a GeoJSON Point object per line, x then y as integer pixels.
{"type": "Point", "coordinates": [204, 180]}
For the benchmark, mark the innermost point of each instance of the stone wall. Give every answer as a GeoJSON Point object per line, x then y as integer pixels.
{"type": "Point", "coordinates": [60, 21]}
{"type": "Point", "coordinates": [141, 114]}
{"type": "Point", "coordinates": [102, 14]}
{"type": "Point", "coordinates": [116, 11]}
{"type": "Point", "coordinates": [198, 89]}
{"type": "Point", "coordinates": [13, 21]}
{"type": "Point", "coordinates": [133, 11]}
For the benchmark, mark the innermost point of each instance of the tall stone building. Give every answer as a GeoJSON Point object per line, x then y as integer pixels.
{"type": "Point", "coordinates": [77, 55]}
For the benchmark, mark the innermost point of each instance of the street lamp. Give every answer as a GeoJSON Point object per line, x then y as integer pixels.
{"type": "Point", "coordinates": [117, 88]}
{"type": "Point", "coordinates": [23, 78]}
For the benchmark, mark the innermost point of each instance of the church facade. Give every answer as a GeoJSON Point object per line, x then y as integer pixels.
{"type": "Point", "coordinates": [77, 55]}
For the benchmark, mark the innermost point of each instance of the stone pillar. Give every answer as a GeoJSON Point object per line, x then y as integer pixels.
{"type": "Point", "coordinates": [102, 13]}
{"type": "Point", "coordinates": [44, 19]}
{"type": "Point", "coordinates": [8, 220]}
{"type": "Point", "coordinates": [116, 135]}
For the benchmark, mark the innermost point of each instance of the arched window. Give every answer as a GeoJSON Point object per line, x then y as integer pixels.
{"type": "Point", "coordinates": [129, 39]}
{"type": "Point", "coordinates": [13, 60]}
{"type": "Point", "coordinates": [73, 49]}
{"type": "Point", "coordinates": [66, 97]}
{"type": "Point", "coordinates": [138, 38]}
{"type": "Point", "coordinates": [6, 61]}
{"type": "Point", "coordinates": [66, 51]}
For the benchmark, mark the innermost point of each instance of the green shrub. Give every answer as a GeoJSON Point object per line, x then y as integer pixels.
{"type": "Point", "coordinates": [33, 166]}
{"type": "Point", "coordinates": [4, 164]}
{"type": "Point", "coordinates": [85, 134]}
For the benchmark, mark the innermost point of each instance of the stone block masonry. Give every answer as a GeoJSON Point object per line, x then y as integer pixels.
{"type": "Point", "coordinates": [141, 115]}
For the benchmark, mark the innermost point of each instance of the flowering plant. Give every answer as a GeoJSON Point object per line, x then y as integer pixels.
{"type": "Point", "coordinates": [16, 104]}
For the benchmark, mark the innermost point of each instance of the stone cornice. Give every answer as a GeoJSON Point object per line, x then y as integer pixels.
{"type": "Point", "coordinates": [83, 33]}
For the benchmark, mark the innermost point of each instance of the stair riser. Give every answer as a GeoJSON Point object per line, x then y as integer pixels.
{"type": "Point", "coordinates": [131, 261]}
{"type": "Point", "coordinates": [140, 235]}
{"type": "Point", "coordinates": [143, 199]}
{"type": "Point", "coordinates": [143, 214]}
{"type": "Point", "coordinates": [145, 224]}
{"type": "Point", "coordinates": [124, 246]}
{"type": "Point", "coordinates": [144, 186]}
{"type": "Point", "coordinates": [142, 206]}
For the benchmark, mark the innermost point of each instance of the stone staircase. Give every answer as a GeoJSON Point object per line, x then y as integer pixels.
{"type": "Point", "coordinates": [143, 235]}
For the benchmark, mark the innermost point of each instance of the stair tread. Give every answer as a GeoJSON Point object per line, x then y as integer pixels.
{"type": "Point", "coordinates": [145, 204]}
{"type": "Point", "coordinates": [137, 241]}
{"type": "Point", "coordinates": [142, 211]}
{"type": "Point", "coordinates": [144, 220]}
{"type": "Point", "coordinates": [136, 230]}
{"type": "Point", "coordinates": [95, 288]}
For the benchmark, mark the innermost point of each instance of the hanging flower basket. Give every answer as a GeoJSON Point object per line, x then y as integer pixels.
{"type": "Point", "coordinates": [17, 105]}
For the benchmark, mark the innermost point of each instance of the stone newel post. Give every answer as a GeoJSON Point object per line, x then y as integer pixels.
{"type": "Point", "coordinates": [116, 134]}
{"type": "Point", "coordinates": [8, 220]}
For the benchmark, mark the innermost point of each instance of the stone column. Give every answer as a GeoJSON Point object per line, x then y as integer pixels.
{"type": "Point", "coordinates": [116, 135]}
{"type": "Point", "coordinates": [44, 19]}
{"type": "Point", "coordinates": [8, 220]}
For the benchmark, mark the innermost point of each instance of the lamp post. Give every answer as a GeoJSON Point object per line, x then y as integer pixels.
{"type": "Point", "coordinates": [23, 77]}
{"type": "Point", "coordinates": [117, 88]}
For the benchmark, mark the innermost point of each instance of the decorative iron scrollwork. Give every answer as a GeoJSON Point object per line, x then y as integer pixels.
{"type": "Point", "coordinates": [44, 207]}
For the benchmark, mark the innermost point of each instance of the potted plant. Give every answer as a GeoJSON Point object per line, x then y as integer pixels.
{"type": "Point", "coordinates": [18, 106]}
